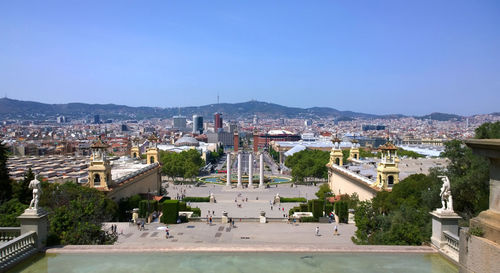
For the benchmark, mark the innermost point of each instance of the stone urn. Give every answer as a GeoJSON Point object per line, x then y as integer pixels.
{"type": "Point", "coordinates": [262, 213]}
{"type": "Point", "coordinates": [224, 213]}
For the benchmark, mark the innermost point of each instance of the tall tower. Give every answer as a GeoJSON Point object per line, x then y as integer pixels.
{"type": "Point", "coordinates": [336, 156]}
{"type": "Point", "coordinates": [135, 151]}
{"type": "Point", "coordinates": [236, 141]}
{"type": "Point", "coordinates": [217, 122]}
{"type": "Point", "coordinates": [387, 170]}
{"type": "Point", "coordinates": [152, 151]}
{"type": "Point", "coordinates": [100, 169]}
{"type": "Point", "coordinates": [354, 151]}
{"type": "Point", "coordinates": [255, 141]}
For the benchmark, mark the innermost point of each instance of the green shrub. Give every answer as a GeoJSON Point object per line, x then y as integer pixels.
{"type": "Point", "coordinates": [293, 200]}
{"type": "Point", "coordinates": [196, 212]}
{"type": "Point", "coordinates": [317, 208]}
{"type": "Point", "coordinates": [143, 207]}
{"type": "Point", "coordinates": [170, 210]}
{"type": "Point", "coordinates": [309, 219]}
{"type": "Point", "coordinates": [309, 205]}
{"type": "Point", "coordinates": [182, 206]}
{"type": "Point", "coordinates": [341, 210]}
{"type": "Point", "coordinates": [304, 207]}
{"type": "Point", "coordinates": [328, 209]}
{"type": "Point", "coordinates": [196, 199]}
{"type": "Point", "coordinates": [476, 231]}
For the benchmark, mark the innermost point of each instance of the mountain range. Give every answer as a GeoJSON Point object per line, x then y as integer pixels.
{"type": "Point", "coordinates": [29, 110]}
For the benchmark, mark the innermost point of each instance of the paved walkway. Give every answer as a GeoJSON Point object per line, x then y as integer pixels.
{"type": "Point", "coordinates": [244, 237]}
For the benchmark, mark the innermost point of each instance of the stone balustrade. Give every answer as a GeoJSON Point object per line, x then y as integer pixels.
{"type": "Point", "coordinates": [17, 249]}
{"type": "Point", "coordinates": [452, 240]}
{"type": "Point", "coordinates": [9, 233]}
{"type": "Point", "coordinates": [451, 246]}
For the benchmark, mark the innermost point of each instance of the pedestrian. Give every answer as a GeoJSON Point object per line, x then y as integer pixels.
{"type": "Point", "coordinates": [167, 234]}
{"type": "Point", "coordinates": [210, 220]}
{"type": "Point", "coordinates": [317, 231]}
{"type": "Point", "coordinates": [271, 207]}
{"type": "Point", "coordinates": [336, 231]}
{"type": "Point", "coordinates": [213, 212]}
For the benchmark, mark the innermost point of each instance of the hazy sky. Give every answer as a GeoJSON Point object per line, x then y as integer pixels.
{"type": "Point", "coordinates": [367, 56]}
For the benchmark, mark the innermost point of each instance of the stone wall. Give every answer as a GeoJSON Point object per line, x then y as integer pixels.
{"type": "Point", "coordinates": [150, 180]}
{"type": "Point", "coordinates": [342, 183]}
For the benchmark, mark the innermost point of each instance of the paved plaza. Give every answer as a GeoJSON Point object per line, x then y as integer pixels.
{"type": "Point", "coordinates": [258, 199]}
{"type": "Point", "coordinates": [243, 233]}
{"type": "Point", "coordinates": [247, 235]}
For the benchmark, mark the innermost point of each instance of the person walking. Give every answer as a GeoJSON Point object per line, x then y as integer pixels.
{"type": "Point", "coordinates": [317, 231]}
{"type": "Point", "coordinates": [335, 230]}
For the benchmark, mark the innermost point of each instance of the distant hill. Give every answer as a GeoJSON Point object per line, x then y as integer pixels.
{"type": "Point", "coordinates": [16, 109]}
{"type": "Point", "coordinates": [441, 117]}
{"type": "Point", "coordinates": [29, 110]}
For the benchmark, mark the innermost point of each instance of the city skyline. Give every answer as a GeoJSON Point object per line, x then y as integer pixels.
{"type": "Point", "coordinates": [408, 58]}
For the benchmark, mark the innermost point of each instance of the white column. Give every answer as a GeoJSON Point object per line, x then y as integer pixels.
{"type": "Point", "coordinates": [250, 170]}
{"type": "Point", "coordinates": [239, 170]}
{"type": "Point", "coordinates": [261, 170]}
{"type": "Point", "coordinates": [228, 182]}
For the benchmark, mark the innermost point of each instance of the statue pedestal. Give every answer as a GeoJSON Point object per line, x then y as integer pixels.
{"type": "Point", "coordinates": [224, 218]}
{"type": "Point", "coordinates": [212, 199]}
{"type": "Point", "coordinates": [262, 217]}
{"type": "Point", "coordinates": [443, 220]}
{"type": "Point", "coordinates": [37, 221]}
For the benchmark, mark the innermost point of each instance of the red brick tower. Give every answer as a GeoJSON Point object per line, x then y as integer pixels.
{"type": "Point", "coordinates": [236, 141]}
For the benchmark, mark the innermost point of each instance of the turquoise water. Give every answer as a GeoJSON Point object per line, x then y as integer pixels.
{"type": "Point", "coordinates": [237, 262]}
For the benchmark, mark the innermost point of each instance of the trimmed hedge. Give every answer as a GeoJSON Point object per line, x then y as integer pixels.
{"type": "Point", "coordinates": [170, 209]}
{"type": "Point", "coordinates": [309, 219]}
{"type": "Point", "coordinates": [309, 205]}
{"type": "Point", "coordinates": [196, 212]}
{"type": "Point", "coordinates": [182, 206]}
{"type": "Point", "coordinates": [143, 207]}
{"type": "Point", "coordinates": [328, 209]}
{"type": "Point", "coordinates": [293, 200]}
{"type": "Point", "coordinates": [341, 210]}
{"type": "Point", "coordinates": [196, 199]}
{"type": "Point", "coordinates": [304, 207]}
{"type": "Point", "coordinates": [317, 208]}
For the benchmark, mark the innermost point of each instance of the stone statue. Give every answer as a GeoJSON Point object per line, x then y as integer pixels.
{"type": "Point", "coordinates": [446, 198]}
{"type": "Point", "coordinates": [277, 199]}
{"type": "Point", "coordinates": [37, 191]}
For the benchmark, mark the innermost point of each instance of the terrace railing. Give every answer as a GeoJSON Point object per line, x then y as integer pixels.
{"type": "Point", "coordinates": [9, 233]}
{"type": "Point", "coordinates": [17, 249]}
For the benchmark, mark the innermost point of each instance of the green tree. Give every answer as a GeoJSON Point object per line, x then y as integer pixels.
{"type": "Point", "coordinates": [76, 213]}
{"type": "Point", "coordinates": [324, 191]}
{"type": "Point", "coordinates": [21, 189]}
{"type": "Point", "coordinates": [488, 130]}
{"type": "Point", "coordinates": [401, 216]}
{"type": "Point", "coordinates": [308, 163]}
{"type": "Point", "coordinates": [9, 211]}
{"type": "Point", "coordinates": [5, 182]}
{"type": "Point", "coordinates": [469, 178]}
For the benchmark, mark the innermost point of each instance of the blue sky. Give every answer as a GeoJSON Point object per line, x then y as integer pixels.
{"type": "Point", "coordinates": [409, 57]}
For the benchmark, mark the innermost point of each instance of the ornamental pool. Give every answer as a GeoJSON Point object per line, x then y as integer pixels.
{"type": "Point", "coordinates": [221, 262]}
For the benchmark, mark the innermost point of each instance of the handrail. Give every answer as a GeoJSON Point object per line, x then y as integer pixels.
{"type": "Point", "coordinates": [9, 233]}
{"type": "Point", "coordinates": [15, 248]}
